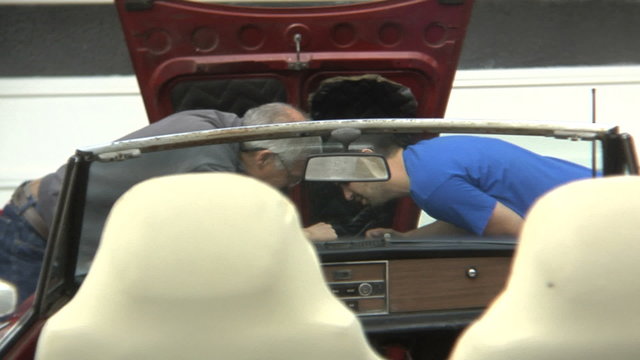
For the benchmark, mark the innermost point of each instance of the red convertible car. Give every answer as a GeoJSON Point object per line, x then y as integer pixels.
{"type": "Point", "coordinates": [361, 67]}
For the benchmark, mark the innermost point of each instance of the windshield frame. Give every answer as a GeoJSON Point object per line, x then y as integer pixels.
{"type": "Point", "coordinates": [562, 130]}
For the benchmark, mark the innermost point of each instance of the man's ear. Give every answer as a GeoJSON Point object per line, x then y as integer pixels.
{"type": "Point", "coordinates": [264, 158]}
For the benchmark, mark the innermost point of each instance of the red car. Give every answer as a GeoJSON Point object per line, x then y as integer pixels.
{"type": "Point", "coordinates": [391, 62]}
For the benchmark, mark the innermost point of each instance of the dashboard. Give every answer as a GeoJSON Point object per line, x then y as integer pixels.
{"type": "Point", "coordinates": [416, 284]}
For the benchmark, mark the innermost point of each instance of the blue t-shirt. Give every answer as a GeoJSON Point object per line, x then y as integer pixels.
{"type": "Point", "coordinates": [458, 179]}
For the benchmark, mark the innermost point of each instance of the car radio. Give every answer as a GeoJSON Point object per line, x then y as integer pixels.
{"type": "Point", "coordinates": [361, 285]}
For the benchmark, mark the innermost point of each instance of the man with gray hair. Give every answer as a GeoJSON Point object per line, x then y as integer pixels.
{"type": "Point", "coordinates": [25, 222]}
{"type": "Point", "coordinates": [283, 156]}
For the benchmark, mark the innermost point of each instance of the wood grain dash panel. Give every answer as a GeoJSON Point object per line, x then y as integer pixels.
{"type": "Point", "coordinates": [443, 284]}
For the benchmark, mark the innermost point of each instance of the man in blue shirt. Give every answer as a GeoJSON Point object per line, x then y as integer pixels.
{"type": "Point", "coordinates": [470, 184]}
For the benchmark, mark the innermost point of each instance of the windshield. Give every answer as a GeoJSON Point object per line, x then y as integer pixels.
{"type": "Point", "coordinates": [108, 180]}
{"type": "Point", "coordinates": [327, 202]}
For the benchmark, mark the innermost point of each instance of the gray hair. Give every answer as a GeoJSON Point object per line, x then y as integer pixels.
{"type": "Point", "coordinates": [272, 113]}
{"type": "Point", "coordinates": [289, 150]}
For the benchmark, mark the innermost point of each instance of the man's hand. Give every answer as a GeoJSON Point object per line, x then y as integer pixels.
{"type": "Point", "coordinates": [435, 229]}
{"type": "Point", "coordinates": [320, 232]}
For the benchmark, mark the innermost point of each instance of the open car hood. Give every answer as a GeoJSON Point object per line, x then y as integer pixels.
{"type": "Point", "coordinates": [321, 58]}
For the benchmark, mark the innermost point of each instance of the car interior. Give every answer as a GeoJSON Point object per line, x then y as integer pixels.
{"type": "Point", "coordinates": [411, 296]}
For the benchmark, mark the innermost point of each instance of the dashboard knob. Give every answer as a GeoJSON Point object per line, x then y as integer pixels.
{"type": "Point", "coordinates": [365, 289]}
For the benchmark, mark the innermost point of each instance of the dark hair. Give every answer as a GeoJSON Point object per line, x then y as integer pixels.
{"type": "Point", "coordinates": [385, 144]}
{"type": "Point", "coordinates": [365, 96]}
{"type": "Point", "coordinates": [360, 97]}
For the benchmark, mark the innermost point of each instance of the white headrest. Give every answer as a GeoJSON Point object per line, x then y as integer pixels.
{"type": "Point", "coordinates": [573, 292]}
{"type": "Point", "coordinates": [204, 266]}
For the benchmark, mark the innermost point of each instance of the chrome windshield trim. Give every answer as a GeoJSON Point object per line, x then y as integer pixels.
{"type": "Point", "coordinates": [570, 130]}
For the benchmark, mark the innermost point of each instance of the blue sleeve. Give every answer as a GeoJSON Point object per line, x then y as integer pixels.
{"type": "Point", "coordinates": [458, 202]}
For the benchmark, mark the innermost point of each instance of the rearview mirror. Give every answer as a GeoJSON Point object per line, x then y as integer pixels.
{"type": "Point", "coordinates": [347, 167]}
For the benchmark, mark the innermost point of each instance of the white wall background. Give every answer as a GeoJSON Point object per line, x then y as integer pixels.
{"type": "Point", "coordinates": [43, 120]}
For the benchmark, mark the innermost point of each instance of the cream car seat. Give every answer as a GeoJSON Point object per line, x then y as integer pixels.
{"type": "Point", "coordinates": [204, 266]}
{"type": "Point", "coordinates": [573, 292]}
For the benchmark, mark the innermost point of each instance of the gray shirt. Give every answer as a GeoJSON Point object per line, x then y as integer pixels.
{"type": "Point", "coordinates": [223, 157]}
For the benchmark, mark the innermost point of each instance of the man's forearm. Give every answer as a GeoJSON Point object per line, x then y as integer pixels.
{"type": "Point", "coordinates": [437, 228]}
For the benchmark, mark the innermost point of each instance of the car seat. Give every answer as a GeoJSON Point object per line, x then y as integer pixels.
{"type": "Point", "coordinates": [204, 266]}
{"type": "Point", "coordinates": [573, 291]}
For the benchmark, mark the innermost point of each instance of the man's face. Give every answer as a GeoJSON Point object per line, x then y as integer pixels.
{"type": "Point", "coordinates": [367, 193]}
{"type": "Point", "coordinates": [270, 167]}
{"type": "Point", "coordinates": [280, 175]}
